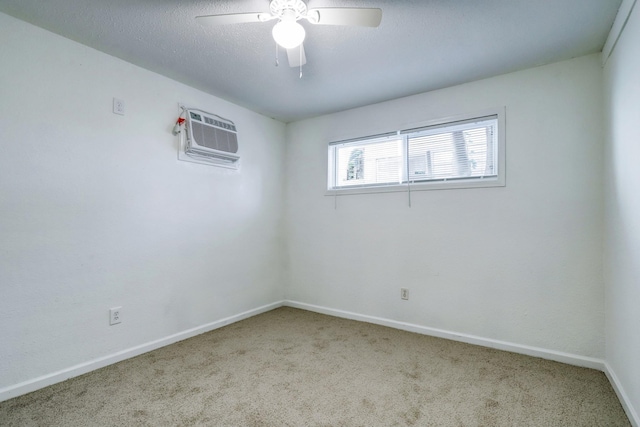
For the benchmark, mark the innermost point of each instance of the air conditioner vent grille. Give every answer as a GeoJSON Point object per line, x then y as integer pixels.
{"type": "Point", "coordinates": [215, 138]}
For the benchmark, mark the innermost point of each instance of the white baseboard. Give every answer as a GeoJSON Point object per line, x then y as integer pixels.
{"type": "Point", "coordinates": [571, 359]}
{"type": "Point", "coordinates": [73, 371]}
{"type": "Point", "coordinates": [622, 396]}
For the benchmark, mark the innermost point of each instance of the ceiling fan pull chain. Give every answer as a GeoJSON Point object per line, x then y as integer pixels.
{"type": "Point", "coordinates": [277, 62]}
{"type": "Point", "coordinates": [300, 50]}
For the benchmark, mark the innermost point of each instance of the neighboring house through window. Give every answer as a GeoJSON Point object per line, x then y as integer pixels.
{"type": "Point", "coordinates": [355, 169]}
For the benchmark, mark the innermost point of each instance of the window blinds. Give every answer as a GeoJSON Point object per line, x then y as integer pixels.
{"type": "Point", "coordinates": [456, 151]}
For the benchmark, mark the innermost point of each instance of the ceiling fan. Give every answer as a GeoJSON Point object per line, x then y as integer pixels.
{"type": "Point", "coordinates": [287, 32]}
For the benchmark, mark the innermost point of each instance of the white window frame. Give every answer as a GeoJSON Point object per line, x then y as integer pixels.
{"type": "Point", "coordinates": [406, 185]}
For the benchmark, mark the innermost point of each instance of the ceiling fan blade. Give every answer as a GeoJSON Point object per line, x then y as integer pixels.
{"type": "Point", "coordinates": [234, 18]}
{"type": "Point", "coordinates": [362, 17]}
{"type": "Point", "coordinates": [296, 56]}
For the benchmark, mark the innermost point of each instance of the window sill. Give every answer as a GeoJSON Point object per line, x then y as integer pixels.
{"type": "Point", "coordinates": [422, 186]}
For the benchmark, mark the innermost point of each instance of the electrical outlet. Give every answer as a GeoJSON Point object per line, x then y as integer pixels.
{"type": "Point", "coordinates": [404, 293]}
{"type": "Point", "coordinates": [115, 315]}
{"type": "Point", "coordinates": [118, 106]}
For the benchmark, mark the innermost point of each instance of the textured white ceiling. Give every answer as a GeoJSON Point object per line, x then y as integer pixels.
{"type": "Point", "coordinates": [419, 46]}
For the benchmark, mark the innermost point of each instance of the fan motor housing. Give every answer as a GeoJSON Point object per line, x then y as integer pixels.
{"type": "Point", "coordinates": [278, 7]}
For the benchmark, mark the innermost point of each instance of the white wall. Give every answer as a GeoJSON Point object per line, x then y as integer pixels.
{"type": "Point", "coordinates": [521, 263]}
{"type": "Point", "coordinates": [96, 211]}
{"type": "Point", "coordinates": [622, 219]}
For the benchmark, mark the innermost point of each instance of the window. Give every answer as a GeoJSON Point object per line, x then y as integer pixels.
{"type": "Point", "coordinates": [468, 152]}
{"type": "Point", "coordinates": [370, 162]}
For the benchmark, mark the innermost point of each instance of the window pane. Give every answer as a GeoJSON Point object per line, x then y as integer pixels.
{"type": "Point", "coordinates": [457, 151]}
{"type": "Point", "coordinates": [368, 163]}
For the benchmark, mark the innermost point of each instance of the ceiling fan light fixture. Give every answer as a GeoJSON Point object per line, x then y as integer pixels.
{"type": "Point", "coordinates": [288, 33]}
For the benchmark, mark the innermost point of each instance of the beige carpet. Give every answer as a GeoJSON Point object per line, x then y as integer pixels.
{"type": "Point", "coordinates": [291, 367]}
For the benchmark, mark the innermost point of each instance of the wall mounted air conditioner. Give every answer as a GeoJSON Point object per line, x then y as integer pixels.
{"type": "Point", "coordinates": [210, 139]}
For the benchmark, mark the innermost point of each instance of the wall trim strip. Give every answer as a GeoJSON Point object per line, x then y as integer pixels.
{"type": "Point", "coordinates": [82, 368]}
{"type": "Point", "coordinates": [571, 359]}
{"type": "Point", "coordinates": [622, 395]}
{"type": "Point", "coordinates": [617, 28]}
